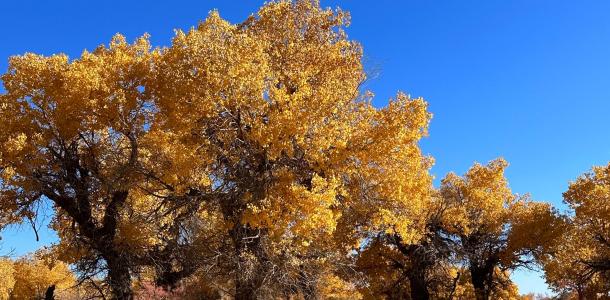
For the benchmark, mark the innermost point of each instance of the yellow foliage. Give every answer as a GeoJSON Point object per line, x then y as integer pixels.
{"type": "Point", "coordinates": [7, 278]}
{"type": "Point", "coordinates": [479, 201]}
{"type": "Point", "coordinates": [333, 287]}
{"type": "Point", "coordinates": [33, 275]}
{"type": "Point", "coordinates": [252, 148]}
{"type": "Point", "coordinates": [29, 277]}
{"type": "Point", "coordinates": [588, 197]}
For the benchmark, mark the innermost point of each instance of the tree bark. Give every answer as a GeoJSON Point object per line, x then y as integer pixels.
{"type": "Point", "coordinates": [480, 283]}
{"type": "Point", "coordinates": [307, 289]}
{"type": "Point", "coordinates": [102, 238]}
{"type": "Point", "coordinates": [248, 257]}
{"type": "Point", "coordinates": [581, 294]}
{"type": "Point", "coordinates": [418, 286]}
{"type": "Point", "coordinates": [416, 272]}
{"type": "Point", "coordinates": [119, 277]}
{"type": "Point", "coordinates": [244, 290]}
{"type": "Point", "coordinates": [50, 293]}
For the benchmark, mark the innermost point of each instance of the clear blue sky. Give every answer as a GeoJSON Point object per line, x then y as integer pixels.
{"type": "Point", "coordinates": [526, 80]}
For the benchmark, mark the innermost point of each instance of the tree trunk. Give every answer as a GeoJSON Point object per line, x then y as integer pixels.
{"type": "Point", "coordinates": [248, 257]}
{"type": "Point", "coordinates": [50, 293]}
{"type": "Point", "coordinates": [119, 277]}
{"type": "Point", "coordinates": [454, 286]}
{"type": "Point", "coordinates": [417, 284]}
{"type": "Point", "coordinates": [480, 283]}
{"type": "Point", "coordinates": [307, 288]}
{"type": "Point", "coordinates": [244, 290]}
{"type": "Point", "coordinates": [416, 272]}
{"type": "Point", "coordinates": [581, 294]}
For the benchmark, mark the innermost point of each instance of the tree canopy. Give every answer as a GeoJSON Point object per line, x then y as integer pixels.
{"type": "Point", "coordinates": [246, 161]}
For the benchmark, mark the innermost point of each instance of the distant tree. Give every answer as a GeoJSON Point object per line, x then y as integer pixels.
{"type": "Point", "coordinates": [464, 289]}
{"type": "Point", "coordinates": [417, 269]}
{"type": "Point", "coordinates": [580, 262]}
{"type": "Point", "coordinates": [32, 276]}
{"type": "Point", "coordinates": [496, 230]}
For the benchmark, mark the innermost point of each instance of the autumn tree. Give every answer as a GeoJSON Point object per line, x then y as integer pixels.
{"type": "Point", "coordinates": [289, 149]}
{"type": "Point", "coordinates": [40, 274]}
{"type": "Point", "coordinates": [564, 269]}
{"type": "Point", "coordinates": [580, 262]}
{"type": "Point", "coordinates": [589, 197]}
{"type": "Point", "coordinates": [76, 133]}
{"type": "Point", "coordinates": [463, 288]}
{"type": "Point", "coordinates": [475, 220]}
{"type": "Point", "coordinates": [497, 231]}
{"type": "Point", "coordinates": [420, 268]}
{"type": "Point", "coordinates": [35, 275]}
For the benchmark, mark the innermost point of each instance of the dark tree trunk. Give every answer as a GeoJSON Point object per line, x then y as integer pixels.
{"type": "Point", "coordinates": [307, 288]}
{"type": "Point", "coordinates": [481, 282]}
{"type": "Point", "coordinates": [119, 277]}
{"type": "Point", "coordinates": [75, 189]}
{"type": "Point", "coordinates": [454, 286]}
{"type": "Point", "coordinates": [417, 283]}
{"type": "Point", "coordinates": [102, 238]}
{"type": "Point", "coordinates": [416, 272]}
{"type": "Point", "coordinates": [175, 261]}
{"type": "Point", "coordinates": [118, 264]}
{"type": "Point", "coordinates": [50, 293]}
{"type": "Point", "coordinates": [581, 294]}
{"type": "Point", "coordinates": [244, 290]}
{"type": "Point", "coordinates": [246, 281]}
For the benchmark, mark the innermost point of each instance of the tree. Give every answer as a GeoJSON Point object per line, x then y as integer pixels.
{"type": "Point", "coordinates": [291, 150]}
{"type": "Point", "coordinates": [565, 271]}
{"type": "Point", "coordinates": [580, 262]}
{"type": "Point", "coordinates": [589, 197]}
{"type": "Point", "coordinates": [35, 276]}
{"type": "Point", "coordinates": [497, 231]}
{"type": "Point", "coordinates": [464, 289]}
{"type": "Point", "coordinates": [76, 132]}
{"type": "Point", "coordinates": [415, 269]}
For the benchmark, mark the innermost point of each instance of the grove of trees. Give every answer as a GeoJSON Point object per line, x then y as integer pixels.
{"type": "Point", "coordinates": [245, 161]}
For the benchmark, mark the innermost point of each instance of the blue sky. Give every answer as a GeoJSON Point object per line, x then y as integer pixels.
{"type": "Point", "coordinates": [526, 80]}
